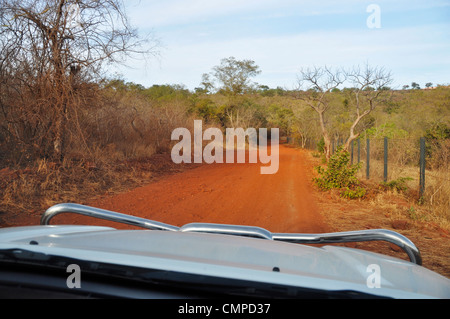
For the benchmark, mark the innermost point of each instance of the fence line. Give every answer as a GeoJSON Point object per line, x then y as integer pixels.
{"type": "Point", "coordinates": [385, 157]}
{"type": "Point", "coordinates": [381, 149]}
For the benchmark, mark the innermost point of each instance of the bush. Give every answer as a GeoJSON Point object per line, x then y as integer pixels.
{"type": "Point", "coordinates": [321, 146]}
{"type": "Point", "coordinates": [399, 184]}
{"type": "Point", "coordinates": [340, 174]}
{"type": "Point", "coordinates": [358, 192]}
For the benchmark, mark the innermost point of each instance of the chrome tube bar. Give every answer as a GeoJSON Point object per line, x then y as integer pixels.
{"type": "Point", "coordinates": [248, 231]}
{"type": "Point", "coordinates": [103, 214]}
{"type": "Point", "coordinates": [356, 236]}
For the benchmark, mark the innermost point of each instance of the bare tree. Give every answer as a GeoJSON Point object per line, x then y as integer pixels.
{"type": "Point", "coordinates": [304, 125]}
{"type": "Point", "coordinates": [370, 87]}
{"type": "Point", "coordinates": [316, 85]}
{"type": "Point", "coordinates": [49, 52]}
{"type": "Point", "coordinates": [245, 116]}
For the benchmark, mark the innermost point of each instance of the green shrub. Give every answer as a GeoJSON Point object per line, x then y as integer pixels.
{"type": "Point", "coordinates": [340, 174]}
{"type": "Point", "coordinates": [356, 193]}
{"type": "Point", "coordinates": [321, 146]}
{"type": "Point", "coordinates": [399, 184]}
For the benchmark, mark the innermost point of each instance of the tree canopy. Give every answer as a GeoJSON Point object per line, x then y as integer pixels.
{"type": "Point", "coordinates": [234, 76]}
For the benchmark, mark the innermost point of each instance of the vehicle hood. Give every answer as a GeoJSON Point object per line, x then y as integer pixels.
{"type": "Point", "coordinates": [331, 268]}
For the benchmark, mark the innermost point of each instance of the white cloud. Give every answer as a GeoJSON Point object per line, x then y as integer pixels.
{"type": "Point", "coordinates": [191, 51]}
{"type": "Point", "coordinates": [179, 12]}
{"type": "Point", "coordinates": [157, 14]}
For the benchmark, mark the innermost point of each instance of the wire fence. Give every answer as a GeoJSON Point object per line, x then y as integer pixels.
{"type": "Point", "coordinates": [419, 166]}
{"type": "Point", "coordinates": [418, 160]}
{"type": "Point", "coordinates": [422, 164]}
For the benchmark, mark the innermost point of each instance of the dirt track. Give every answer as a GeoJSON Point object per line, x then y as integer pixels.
{"type": "Point", "coordinates": [226, 193]}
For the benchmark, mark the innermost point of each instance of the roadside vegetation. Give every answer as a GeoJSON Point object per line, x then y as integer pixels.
{"type": "Point", "coordinates": [340, 174]}
{"type": "Point", "coordinates": [117, 140]}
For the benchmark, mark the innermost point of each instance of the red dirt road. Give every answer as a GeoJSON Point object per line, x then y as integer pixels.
{"type": "Point", "coordinates": [234, 194]}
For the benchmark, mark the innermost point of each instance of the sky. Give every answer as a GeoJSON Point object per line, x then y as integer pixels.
{"type": "Point", "coordinates": [409, 38]}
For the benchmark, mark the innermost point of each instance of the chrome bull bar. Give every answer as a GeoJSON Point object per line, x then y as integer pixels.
{"type": "Point", "coordinates": [247, 231]}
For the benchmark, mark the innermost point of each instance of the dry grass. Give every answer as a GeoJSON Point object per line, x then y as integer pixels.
{"type": "Point", "coordinates": [436, 199]}
{"type": "Point", "coordinates": [437, 194]}
{"type": "Point", "coordinates": [27, 193]}
{"type": "Point", "coordinates": [403, 163]}
{"type": "Point", "coordinates": [426, 224]}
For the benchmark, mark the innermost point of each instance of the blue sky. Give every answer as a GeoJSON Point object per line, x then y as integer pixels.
{"type": "Point", "coordinates": [283, 36]}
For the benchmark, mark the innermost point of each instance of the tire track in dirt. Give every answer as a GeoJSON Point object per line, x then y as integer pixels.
{"type": "Point", "coordinates": [224, 193]}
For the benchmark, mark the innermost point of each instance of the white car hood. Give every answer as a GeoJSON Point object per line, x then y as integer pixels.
{"type": "Point", "coordinates": [331, 268]}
